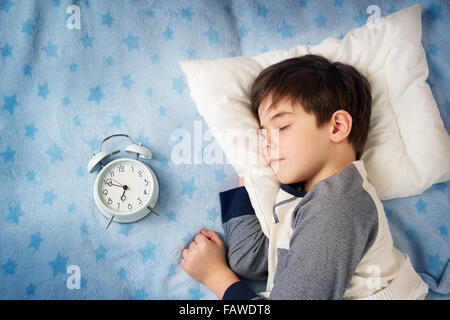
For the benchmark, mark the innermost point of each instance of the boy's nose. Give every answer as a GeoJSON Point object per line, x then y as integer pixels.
{"type": "Point", "coordinates": [271, 142]}
{"type": "Point", "coordinates": [272, 138]}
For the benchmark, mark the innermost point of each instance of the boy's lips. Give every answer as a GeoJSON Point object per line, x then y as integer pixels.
{"type": "Point", "coordinates": [275, 160]}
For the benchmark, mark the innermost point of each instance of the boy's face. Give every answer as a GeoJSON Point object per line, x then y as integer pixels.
{"type": "Point", "coordinates": [301, 147]}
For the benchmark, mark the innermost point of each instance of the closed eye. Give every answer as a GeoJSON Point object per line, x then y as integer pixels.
{"type": "Point", "coordinates": [262, 134]}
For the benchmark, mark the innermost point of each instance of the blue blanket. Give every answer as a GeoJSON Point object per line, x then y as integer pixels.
{"type": "Point", "coordinates": [71, 76]}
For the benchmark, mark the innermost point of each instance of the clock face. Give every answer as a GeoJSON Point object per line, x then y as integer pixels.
{"type": "Point", "coordinates": [125, 186]}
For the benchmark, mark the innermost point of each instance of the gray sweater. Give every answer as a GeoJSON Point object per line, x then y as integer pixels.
{"type": "Point", "coordinates": [333, 227]}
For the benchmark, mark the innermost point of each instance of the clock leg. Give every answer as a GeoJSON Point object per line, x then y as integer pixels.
{"type": "Point", "coordinates": [153, 210]}
{"type": "Point", "coordinates": [110, 220]}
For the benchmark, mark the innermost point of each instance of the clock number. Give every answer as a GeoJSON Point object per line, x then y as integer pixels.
{"type": "Point", "coordinates": [109, 201]}
{"type": "Point", "coordinates": [118, 205]}
{"type": "Point", "coordinates": [146, 182]}
{"type": "Point", "coordinates": [111, 173]}
{"type": "Point", "coordinates": [145, 192]}
{"type": "Point", "coordinates": [130, 206]}
{"type": "Point", "coordinates": [140, 174]}
{"type": "Point", "coordinates": [105, 192]}
{"type": "Point", "coordinates": [121, 168]}
{"type": "Point", "coordinates": [132, 167]}
{"type": "Point", "coordinates": [140, 201]}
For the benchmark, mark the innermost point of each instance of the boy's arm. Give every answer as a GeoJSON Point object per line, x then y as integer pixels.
{"type": "Point", "coordinates": [247, 246]}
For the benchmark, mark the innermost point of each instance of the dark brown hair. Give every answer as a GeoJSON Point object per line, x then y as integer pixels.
{"type": "Point", "coordinates": [321, 87]}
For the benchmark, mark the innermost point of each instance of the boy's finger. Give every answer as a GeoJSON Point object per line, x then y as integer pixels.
{"type": "Point", "coordinates": [212, 235]}
{"type": "Point", "coordinates": [200, 238]}
{"type": "Point", "coordinates": [192, 245]}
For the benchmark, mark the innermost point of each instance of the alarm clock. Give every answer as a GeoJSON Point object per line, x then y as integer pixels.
{"type": "Point", "coordinates": [126, 189]}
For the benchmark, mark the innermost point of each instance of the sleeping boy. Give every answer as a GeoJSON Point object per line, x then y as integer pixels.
{"type": "Point", "coordinates": [330, 238]}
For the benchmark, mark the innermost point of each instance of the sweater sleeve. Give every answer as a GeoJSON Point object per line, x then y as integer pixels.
{"type": "Point", "coordinates": [247, 245]}
{"type": "Point", "coordinates": [240, 291]}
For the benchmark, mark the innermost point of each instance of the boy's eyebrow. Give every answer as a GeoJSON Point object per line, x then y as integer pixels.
{"type": "Point", "coordinates": [279, 114]}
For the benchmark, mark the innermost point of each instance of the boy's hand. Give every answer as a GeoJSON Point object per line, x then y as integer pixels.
{"type": "Point", "coordinates": [205, 261]}
{"type": "Point", "coordinates": [205, 256]}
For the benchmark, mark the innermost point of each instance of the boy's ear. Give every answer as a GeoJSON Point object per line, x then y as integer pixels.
{"type": "Point", "coordinates": [341, 125]}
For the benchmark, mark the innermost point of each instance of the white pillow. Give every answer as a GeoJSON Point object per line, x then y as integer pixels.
{"type": "Point", "coordinates": [408, 148]}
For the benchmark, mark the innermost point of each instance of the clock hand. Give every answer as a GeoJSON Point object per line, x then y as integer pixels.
{"type": "Point", "coordinates": [109, 183]}
{"type": "Point", "coordinates": [125, 187]}
{"type": "Point", "coordinates": [122, 197]}
{"type": "Point", "coordinates": [119, 183]}
{"type": "Point", "coordinates": [112, 184]}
